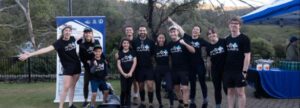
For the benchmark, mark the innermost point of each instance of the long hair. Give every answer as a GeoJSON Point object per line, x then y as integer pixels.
{"type": "Point", "coordinates": [123, 40]}
{"type": "Point", "coordinates": [62, 31]}
{"type": "Point", "coordinates": [84, 40]}
{"type": "Point", "coordinates": [156, 41]}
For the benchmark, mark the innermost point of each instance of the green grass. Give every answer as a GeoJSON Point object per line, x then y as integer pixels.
{"type": "Point", "coordinates": [33, 95]}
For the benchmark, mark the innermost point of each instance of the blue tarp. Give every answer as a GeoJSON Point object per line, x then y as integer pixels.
{"type": "Point", "coordinates": [283, 12]}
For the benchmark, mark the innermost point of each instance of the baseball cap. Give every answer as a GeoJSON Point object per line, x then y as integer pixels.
{"type": "Point", "coordinates": [97, 47]}
{"type": "Point", "coordinates": [173, 28]}
{"type": "Point", "coordinates": [293, 39]}
{"type": "Point", "coordinates": [88, 29]}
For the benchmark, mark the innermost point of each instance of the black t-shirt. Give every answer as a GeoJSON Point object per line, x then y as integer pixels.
{"type": "Point", "coordinates": [98, 72]}
{"type": "Point", "coordinates": [161, 55]}
{"type": "Point", "coordinates": [144, 51]}
{"type": "Point", "coordinates": [217, 53]}
{"type": "Point", "coordinates": [179, 55]}
{"type": "Point", "coordinates": [67, 54]}
{"type": "Point", "coordinates": [86, 50]}
{"type": "Point", "coordinates": [196, 58]}
{"type": "Point", "coordinates": [236, 47]}
{"type": "Point", "coordinates": [126, 60]}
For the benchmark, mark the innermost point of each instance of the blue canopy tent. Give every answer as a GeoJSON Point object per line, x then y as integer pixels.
{"type": "Point", "coordinates": [281, 12]}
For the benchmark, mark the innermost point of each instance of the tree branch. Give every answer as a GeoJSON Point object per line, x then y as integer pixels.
{"type": "Point", "coordinates": [12, 26]}
{"type": "Point", "coordinates": [8, 7]}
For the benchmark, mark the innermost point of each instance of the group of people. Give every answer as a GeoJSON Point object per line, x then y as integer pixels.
{"type": "Point", "coordinates": [142, 61]}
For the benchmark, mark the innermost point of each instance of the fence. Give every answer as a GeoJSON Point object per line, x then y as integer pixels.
{"type": "Point", "coordinates": [43, 68]}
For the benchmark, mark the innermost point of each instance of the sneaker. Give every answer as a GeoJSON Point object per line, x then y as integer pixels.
{"type": "Point", "coordinates": [204, 105]}
{"type": "Point", "coordinates": [180, 106]}
{"type": "Point", "coordinates": [142, 106]}
{"type": "Point", "coordinates": [85, 104]}
{"type": "Point", "coordinates": [135, 101]}
{"type": "Point", "coordinates": [151, 106]}
{"type": "Point", "coordinates": [72, 106]}
{"type": "Point", "coordinates": [193, 105]}
{"type": "Point", "coordinates": [161, 106]}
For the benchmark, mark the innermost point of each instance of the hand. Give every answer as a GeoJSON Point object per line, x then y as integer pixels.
{"type": "Point", "coordinates": [24, 56]}
{"type": "Point", "coordinates": [129, 75]}
{"type": "Point", "coordinates": [95, 63]}
{"type": "Point", "coordinates": [89, 62]}
{"type": "Point", "coordinates": [181, 41]}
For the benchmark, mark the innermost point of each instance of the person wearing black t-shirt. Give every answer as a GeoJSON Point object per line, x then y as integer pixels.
{"type": "Point", "coordinates": [98, 75]}
{"type": "Point", "coordinates": [162, 69]}
{"type": "Point", "coordinates": [216, 59]}
{"type": "Point", "coordinates": [144, 48]}
{"type": "Point", "coordinates": [126, 63]}
{"type": "Point", "coordinates": [65, 46]}
{"type": "Point", "coordinates": [196, 63]}
{"type": "Point", "coordinates": [237, 62]}
{"type": "Point", "coordinates": [179, 54]}
{"type": "Point", "coordinates": [129, 31]}
{"type": "Point", "coordinates": [86, 46]}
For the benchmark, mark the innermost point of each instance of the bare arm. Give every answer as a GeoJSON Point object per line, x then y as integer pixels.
{"type": "Point", "coordinates": [177, 25]}
{"type": "Point", "coordinates": [246, 61]}
{"type": "Point", "coordinates": [133, 67]}
{"type": "Point", "coordinates": [25, 56]}
{"type": "Point", "coordinates": [120, 68]}
{"type": "Point", "coordinates": [189, 47]}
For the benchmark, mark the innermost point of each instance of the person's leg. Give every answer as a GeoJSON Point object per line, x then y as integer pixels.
{"type": "Point", "coordinates": [178, 93]}
{"type": "Point", "coordinates": [201, 77]}
{"type": "Point", "coordinates": [93, 103]}
{"type": "Point", "coordinates": [241, 97]}
{"type": "Point", "coordinates": [135, 89]}
{"type": "Point", "coordinates": [86, 86]}
{"type": "Point", "coordinates": [158, 88]}
{"type": "Point", "coordinates": [128, 91]}
{"type": "Point", "coordinates": [185, 92]}
{"type": "Point", "coordinates": [67, 84]}
{"type": "Point", "coordinates": [230, 97]}
{"type": "Point", "coordinates": [72, 88]}
{"type": "Point", "coordinates": [217, 82]}
{"type": "Point", "coordinates": [123, 90]}
{"type": "Point", "coordinates": [142, 91]}
{"type": "Point", "coordinates": [169, 87]}
{"type": "Point", "coordinates": [150, 88]}
{"type": "Point", "coordinates": [192, 79]}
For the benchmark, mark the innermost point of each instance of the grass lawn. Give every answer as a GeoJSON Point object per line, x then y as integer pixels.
{"type": "Point", "coordinates": [34, 95]}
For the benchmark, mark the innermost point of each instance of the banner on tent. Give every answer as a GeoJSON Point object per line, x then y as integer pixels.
{"type": "Point", "coordinates": [78, 23]}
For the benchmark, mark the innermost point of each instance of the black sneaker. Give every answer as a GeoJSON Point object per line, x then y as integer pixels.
{"type": "Point", "coordinates": [85, 104]}
{"type": "Point", "coordinates": [72, 106]}
{"type": "Point", "coordinates": [193, 105]}
{"type": "Point", "coordinates": [204, 105]}
{"type": "Point", "coordinates": [180, 106]}
{"type": "Point", "coordinates": [142, 106]}
{"type": "Point", "coordinates": [135, 101]}
{"type": "Point", "coordinates": [151, 106]}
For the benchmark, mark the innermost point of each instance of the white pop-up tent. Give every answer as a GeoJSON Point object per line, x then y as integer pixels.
{"type": "Point", "coordinates": [280, 12]}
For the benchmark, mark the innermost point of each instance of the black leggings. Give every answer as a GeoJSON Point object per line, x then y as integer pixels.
{"type": "Point", "coordinates": [197, 70]}
{"type": "Point", "coordinates": [86, 82]}
{"type": "Point", "coordinates": [163, 73]}
{"type": "Point", "coordinates": [126, 91]}
{"type": "Point", "coordinates": [217, 78]}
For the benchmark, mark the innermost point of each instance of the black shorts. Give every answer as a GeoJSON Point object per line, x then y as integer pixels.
{"type": "Point", "coordinates": [234, 79]}
{"type": "Point", "coordinates": [180, 77]}
{"type": "Point", "coordinates": [68, 70]}
{"type": "Point", "coordinates": [143, 74]}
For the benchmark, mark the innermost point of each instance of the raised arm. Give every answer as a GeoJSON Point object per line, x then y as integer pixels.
{"type": "Point", "coordinates": [26, 55]}
{"type": "Point", "coordinates": [178, 26]}
{"type": "Point", "coordinates": [190, 48]}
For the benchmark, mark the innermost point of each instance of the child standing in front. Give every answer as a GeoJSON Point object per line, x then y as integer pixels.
{"type": "Point", "coordinates": [98, 75]}
{"type": "Point", "coordinates": [126, 62]}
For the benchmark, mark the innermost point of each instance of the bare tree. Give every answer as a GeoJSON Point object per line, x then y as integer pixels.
{"type": "Point", "coordinates": [158, 11]}
{"type": "Point", "coordinates": [26, 10]}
